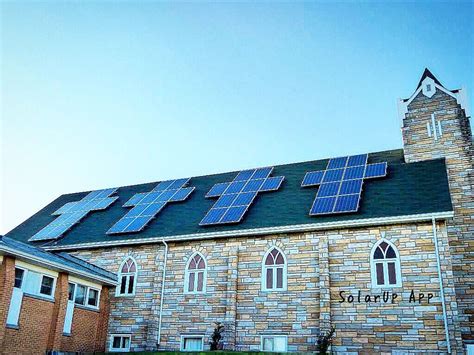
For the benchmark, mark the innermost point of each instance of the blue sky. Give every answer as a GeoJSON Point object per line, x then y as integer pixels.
{"type": "Point", "coordinates": [97, 95]}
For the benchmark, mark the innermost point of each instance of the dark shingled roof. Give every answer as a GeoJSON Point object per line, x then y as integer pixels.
{"type": "Point", "coordinates": [427, 74]}
{"type": "Point", "coordinates": [63, 259]}
{"type": "Point", "coordinates": [408, 189]}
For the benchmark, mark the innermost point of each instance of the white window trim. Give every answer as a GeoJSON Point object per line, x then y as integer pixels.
{"type": "Point", "coordinates": [53, 288]}
{"type": "Point", "coordinates": [120, 350]}
{"type": "Point", "coordinates": [264, 272]}
{"type": "Point", "coordinates": [187, 272]}
{"type": "Point", "coordinates": [25, 272]}
{"type": "Point", "coordinates": [193, 336]}
{"type": "Point", "coordinates": [263, 336]}
{"type": "Point", "coordinates": [117, 288]}
{"type": "Point", "coordinates": [98, 298]}
{"type": "Point", "coordinates": [373, 270]}
{"type": "Point", "coordinates": [86, 296]}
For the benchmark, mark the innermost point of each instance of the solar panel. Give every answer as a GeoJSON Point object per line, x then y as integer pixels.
{"type": "Point", "coordinates": [340, 185]}
{"type": "Point", "coordinates": [147, 205]}
{"type": "Point", "coordinates": [235, 197]}
{"type": "Point", "coordinates": [72, 212]}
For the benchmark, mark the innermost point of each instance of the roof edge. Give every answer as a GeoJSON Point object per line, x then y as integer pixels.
{"type": "Point", "coordinates": [354, 223]}
{"type": "Point", "coordinates": [53, 264]}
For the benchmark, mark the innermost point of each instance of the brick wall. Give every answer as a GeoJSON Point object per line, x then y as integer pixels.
{"type": "Point", "coordinates": [40, 326]}
{"type": "Point", "coordinates": [320, 265]}
{"type": "Point", "coordinates": [34, 328]}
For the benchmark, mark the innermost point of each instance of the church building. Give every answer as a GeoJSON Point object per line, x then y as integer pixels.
{"type": "Point", "coordinates": [378, 245]}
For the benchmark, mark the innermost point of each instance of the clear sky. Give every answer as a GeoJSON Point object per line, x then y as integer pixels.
{"type": "Point", "coordinates": [99, 95]}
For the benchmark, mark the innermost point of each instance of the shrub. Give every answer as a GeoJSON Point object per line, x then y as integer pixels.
{"type": "Point", "coordinates": [217, 336]}
{"type": "Point", "coordinates": [325, 340]}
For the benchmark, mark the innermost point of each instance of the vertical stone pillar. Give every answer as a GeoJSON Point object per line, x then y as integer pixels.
{"type": "Point", "coordinates": [230, 320]}
{"type": "Point", "coordinates": [7, 277]}
{"type": "Point", "coordinates": [59, 312]}
{"type": "Point", "coordinates": [449, 288]}
{"type": "Point", "coordinates": [324, 287]}
{"type": "Point", "coordinates": [152, 330]}
{"type": "Point", "coordinates": [103, 326]}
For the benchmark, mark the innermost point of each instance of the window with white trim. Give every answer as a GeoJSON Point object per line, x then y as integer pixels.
{"type": "Point", "coordinates": [71, 291]}
{"type": "Point", "coordinates": [127, 277]}
{"type": "Point", "coordinates": [84, 295]}
{"type": "Point", "coordinates": [93, 298]}
{"type": "Point", "coordinates": [274, 270]}
{"type": "Point", "coordinates": [120, 342]}
{"type": "Point", "coordinates": [80, 295]}
{"type": "Point", "coordinates": [47, 285]}
{"type": "Point", "coordinates": [195, 275]}
{"type": "Point", "coordinates": [35, 283]}
{"type": "Point", "coordinates": [385, 265]}
{"type": "Point", "coordinates": [19, 274]}
{"type": "Point", "coordinates": [274, 343]}
{"type": "Point", "coordinates": [192, 343]}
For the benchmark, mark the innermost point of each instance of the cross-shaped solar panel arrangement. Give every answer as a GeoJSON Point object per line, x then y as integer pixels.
{"type": "Point", "coordinates": [341, 183]}
{"type": "Point", "coordinates": [235, 197]}
{"type": "Point", "coordinates": [72, 212]}
{"type": "Point", "coordinates": [147, 205]}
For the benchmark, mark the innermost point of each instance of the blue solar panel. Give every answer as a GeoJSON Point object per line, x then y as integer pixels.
{"type": "Point", "coordinates": [147, 205]}
{"type": "Point", "coordinates": [235, 197]}
{"type": "Point", "coordinates": [72, 212]}
{"type": "Point", "coordinates": [323, 205]}
{"type": "Point", "coordinates": [337, 163]}
{"type": "Point", "coordinates": [340, 185]}
{"type": "Point", "coordinates": [218, 189]}
{"type": "Point", "coordinates": [376, 170]}
{"type": "Point", "coordinates": [272, 183]}
{"type": "Point", "coordinates": [357, 160]}
{"type": "Point", "coordinates": [313, 178]}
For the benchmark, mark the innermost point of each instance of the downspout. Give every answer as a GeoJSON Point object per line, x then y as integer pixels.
{"type": "Point", "coordinates": [162, 291]}
{"type": "Point", "coordinates": [441, 289]}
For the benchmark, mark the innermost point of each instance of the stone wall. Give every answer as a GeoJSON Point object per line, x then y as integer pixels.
{"type": "Point", "coordinates": [320, 265]}
{"type": "Point", "coordinates": [455, 144]}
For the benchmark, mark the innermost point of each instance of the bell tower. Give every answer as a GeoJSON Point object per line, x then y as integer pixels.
{"type": "Point", "coordinates": [435, 124]}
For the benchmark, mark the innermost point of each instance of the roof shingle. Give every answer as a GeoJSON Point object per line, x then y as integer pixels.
{"type": "Point", "coordinates": [408, 189]}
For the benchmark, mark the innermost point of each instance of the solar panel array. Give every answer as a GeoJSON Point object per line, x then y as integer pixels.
{"type": "Point", "coordinates": [72, 212]}
{"type": "Point", "coordinates": [236, 197]}
{"type": "Point", "coordinates": [341, 183]}
{"type": "Point", "coordinates": [148, 204]}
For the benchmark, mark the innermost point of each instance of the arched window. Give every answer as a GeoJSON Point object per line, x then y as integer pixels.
{"type": "Point", "coordinates": [274, 270]}
{"type": "Point", "coordinates": [196, 274]}
{"type": "Point", "coordinates": [127, 278]}
{"type": "Point", "coordinates": [385, 265]}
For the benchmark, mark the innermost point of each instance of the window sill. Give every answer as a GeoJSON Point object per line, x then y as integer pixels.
{"type": "Point", "coordinates": [40, 297]}
{"type": "Point", "coordinates": [12, 326]}
{"type": "Point", "coordinates": [67, 334]}
{"type": "Point", "coordinates": [87, 308]}
{"type": "Point", "coordinates": [386, 287]}
{"type": "Point", "coordinates": [119, 350]}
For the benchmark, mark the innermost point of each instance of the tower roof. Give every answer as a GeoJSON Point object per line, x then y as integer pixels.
{"type": "Point", "coordinates": [428, 74]}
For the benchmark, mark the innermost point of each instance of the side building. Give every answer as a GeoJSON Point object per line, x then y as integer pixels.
{"type": "Point", "coordinates": [51, 301]}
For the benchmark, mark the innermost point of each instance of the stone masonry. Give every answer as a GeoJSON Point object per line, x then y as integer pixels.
{"type": "Point", "coordinates": [320, 265]}
{"type": "Point", "coordinates": [455, 144]}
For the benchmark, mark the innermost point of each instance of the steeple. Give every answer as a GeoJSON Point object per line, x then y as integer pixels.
{"type": "Point", "coordinates": [428, 86]}
{"type": "Point", "coordinates": [435, 124]}
{"type": "Point", "coordinates": [428, 74]}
